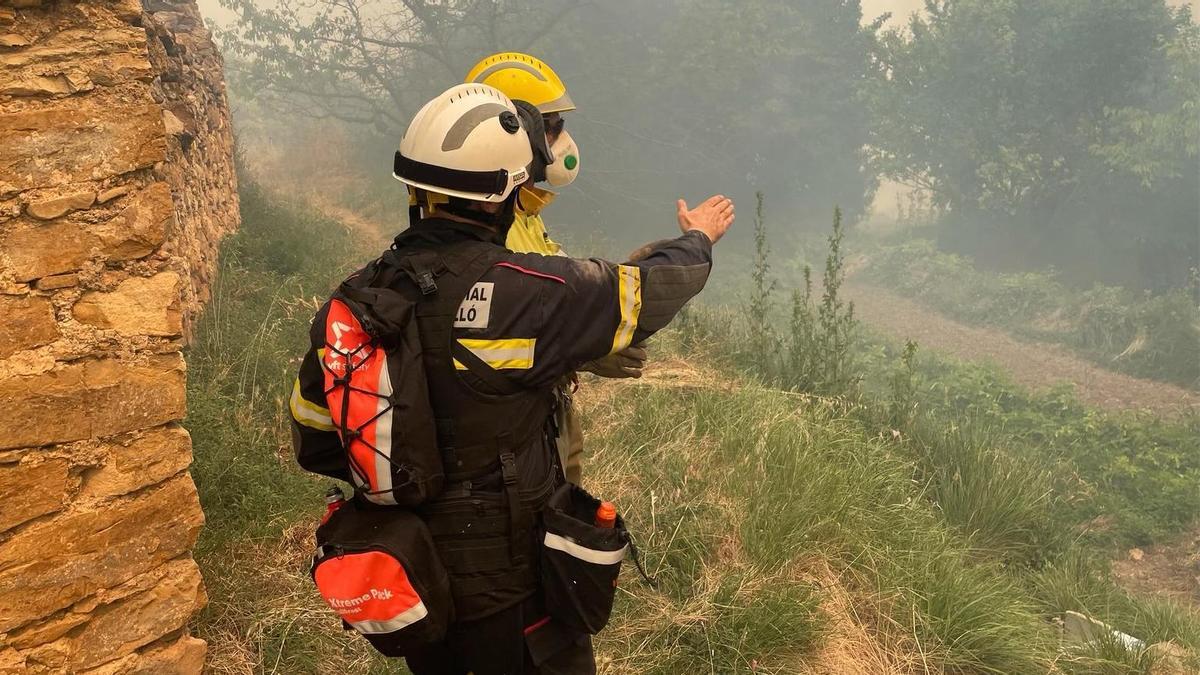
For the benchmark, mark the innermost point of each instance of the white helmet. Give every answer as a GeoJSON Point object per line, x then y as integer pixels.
{"type": "Point", "coordinates": [467, 142]}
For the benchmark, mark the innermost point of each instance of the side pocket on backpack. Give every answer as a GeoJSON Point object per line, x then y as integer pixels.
{"type": "Point", "coordinates": [580, 562]}
{"type": "Point", "coordinates": [378, 569]}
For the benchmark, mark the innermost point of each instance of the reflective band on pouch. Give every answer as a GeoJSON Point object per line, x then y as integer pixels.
{"type": "Point", "coordinates": [506, 354]}
{"type": "Point", "coordinates": [308, 413]}
{"type": "Point", "coordinates": [371, 591]}
{"type": "Point", "coordinates": [392, 625]}
{"type": "Point", "coordinates": [629, 292]}
{"type": "Point", "coordinates": [559, 543]}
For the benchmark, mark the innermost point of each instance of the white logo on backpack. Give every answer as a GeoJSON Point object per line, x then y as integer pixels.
{"type": "Point", "coordinates": [476, 308]}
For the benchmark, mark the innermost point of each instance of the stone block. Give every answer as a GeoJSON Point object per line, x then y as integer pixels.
{"type": "Point", "coordinates": [171, 124]}
{"type": "Point", "coordinates": [57, 281]}
{"type": "Point", "coordinates": [184, 656]}
{"type": "Point", "coordinates": [50, 209]}
{"type": "Point", "coordinates": [13, 40]}
{"type": "Point", "coordinates": [124, 626]}
{"type": "Point", "coordinates": [49, 630]}
{"type": "Point", "coordinates": [73, 141]}
{"type": "Point", "coordinates": [129, 397]}
{"type": "Point", "coordinates": [91, 400]}
{"type": "Point", "coordinates": [113, 193]}
{"type": "Point", "coordinates": [138, 306]}
{"type": "Point", "coordinates": [139, 229]}
{"type": "Point", "coordinates": [53, 564]}
{"type": "Point", "coordinates": [25, 322]}
{"type": "Point", "coordinates": [32, 488]}
{"type": "Point", "coordinates": [54, 84]}
{"type": "Point", "coordinates": [150, 458]}
{"type": "Point", "coordinates": [55, 248]}
{"type": "Point", "coordinates": [71, 43]}
{"type": "Point", "coordinates": [116, 620]}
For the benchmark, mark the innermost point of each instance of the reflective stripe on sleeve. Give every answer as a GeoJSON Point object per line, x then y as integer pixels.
{"type": "Point", "coordinates": [506, 354]}
{"type": "Point", "coordinates": [308, 413]}
{"type": "Point", "coordinates": [629, 293]}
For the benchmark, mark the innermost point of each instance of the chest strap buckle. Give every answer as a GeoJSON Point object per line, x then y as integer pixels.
{"type": "Point", "coordinates": [508, 468]}
{"type": "Point", "coordinates": [426, 283]}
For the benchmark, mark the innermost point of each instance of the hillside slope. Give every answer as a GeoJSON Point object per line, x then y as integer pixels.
{"type": "Point", "coordinates": [787, 534]}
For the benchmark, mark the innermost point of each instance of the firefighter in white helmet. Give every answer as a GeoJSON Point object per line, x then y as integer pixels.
{"type": "Point", "coordinates": [498, 329]}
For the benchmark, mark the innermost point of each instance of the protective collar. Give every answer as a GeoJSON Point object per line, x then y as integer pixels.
{"type": "Point", "coordinates": [531, 200]}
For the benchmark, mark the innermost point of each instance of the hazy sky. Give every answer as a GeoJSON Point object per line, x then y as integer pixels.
{"type": "Point", "coordinates": [900, 9]}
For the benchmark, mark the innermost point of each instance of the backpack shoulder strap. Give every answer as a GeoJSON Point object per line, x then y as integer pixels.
{"type": "Point", "coordinates": [477, 367]}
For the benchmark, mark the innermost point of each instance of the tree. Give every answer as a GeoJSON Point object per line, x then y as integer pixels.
{"type": "Point", "coordinates": [677, 98]}
{"type": "Point", "coordinates": [374, 62]}
{"type": "Point", "coordinates": [783, 80]}
{"type": "Point", "coordinates": [1025, 121]}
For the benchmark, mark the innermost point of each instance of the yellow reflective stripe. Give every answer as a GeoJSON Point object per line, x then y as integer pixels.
{"type": "Point", "coordinates": [504, 354]}
{"type": "Point", "coordinates": [629, 294]}
{"type": "Point", "coordinates": [308, 413]}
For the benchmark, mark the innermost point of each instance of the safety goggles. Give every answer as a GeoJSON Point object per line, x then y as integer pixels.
{"type": "Point", "coordinates": [554, 124]}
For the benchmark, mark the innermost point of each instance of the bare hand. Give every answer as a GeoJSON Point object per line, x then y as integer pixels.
{"type": "Point", "coordinates": [713, 217]}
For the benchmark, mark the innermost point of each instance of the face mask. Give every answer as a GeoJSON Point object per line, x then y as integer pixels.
{"type": "Point", "coordinates": [565, 167]}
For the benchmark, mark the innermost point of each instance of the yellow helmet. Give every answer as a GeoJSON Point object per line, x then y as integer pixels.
{"type": "Point", "coordinates": [524, 78]}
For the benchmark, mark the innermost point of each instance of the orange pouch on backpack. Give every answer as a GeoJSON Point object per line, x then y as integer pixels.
{"type": "Point", "coordinates": [377, 568]}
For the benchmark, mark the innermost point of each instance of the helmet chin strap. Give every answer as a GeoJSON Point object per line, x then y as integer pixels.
{"type": "Point", "coordinates": [500, 221]}
{"type": "Point", "coordinates": [531, 120]}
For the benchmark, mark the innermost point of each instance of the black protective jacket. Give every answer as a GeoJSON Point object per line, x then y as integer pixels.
{"type": "Point", "coordinates": [525, 320]}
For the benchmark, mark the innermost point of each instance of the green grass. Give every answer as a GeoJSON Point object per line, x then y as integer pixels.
{"type": "Point", "coordinates": [771, 519]}
{"type": "Point", "coordinates": [1123, 478]}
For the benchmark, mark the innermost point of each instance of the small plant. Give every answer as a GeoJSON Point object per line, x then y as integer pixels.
{"type": "Point", "coordinates": [802, 358]}
{"type": "Point", "coordinates": [902, 404]}
{"type": "Point", "coordinates": [836, 324]}
{"type": "Point", "coordinates": [763, 346]}
{"type": "Point", "coordinates": [822, 341]}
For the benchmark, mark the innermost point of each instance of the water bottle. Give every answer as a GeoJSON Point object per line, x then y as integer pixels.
{"type": "Point", "coordinates": [333, 501]}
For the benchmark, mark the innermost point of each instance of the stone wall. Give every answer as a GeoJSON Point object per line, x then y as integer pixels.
{"type": "Point", "coordinates": [116, 184]}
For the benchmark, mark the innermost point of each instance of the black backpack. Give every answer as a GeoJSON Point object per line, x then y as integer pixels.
{"type": "Point", "coordinates": [375, 382]}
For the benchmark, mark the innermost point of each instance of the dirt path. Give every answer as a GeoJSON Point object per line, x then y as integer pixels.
{"type": "Point", "coordinates": [1170, 569]}
{"type": "Point", "coordinates": [1032, 364]}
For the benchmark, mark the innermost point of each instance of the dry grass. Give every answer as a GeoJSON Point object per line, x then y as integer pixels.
{"type": "Point", "coordinates": [852, 643]}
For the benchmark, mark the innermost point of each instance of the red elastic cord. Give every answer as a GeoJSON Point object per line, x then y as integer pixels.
{"type": "Point", "coordinates": [537, 624]}
{"type": "Point", "coordinates": [531, 273]}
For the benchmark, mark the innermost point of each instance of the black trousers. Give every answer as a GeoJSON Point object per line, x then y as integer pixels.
{"type": "Point", "coordinates": [520, 640]}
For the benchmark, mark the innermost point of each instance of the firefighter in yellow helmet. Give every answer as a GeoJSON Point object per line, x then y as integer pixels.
{"type": "Point", "coordinates": [541, 99]}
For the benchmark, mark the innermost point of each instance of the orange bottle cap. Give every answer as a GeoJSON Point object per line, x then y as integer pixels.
{"type": "Point", "coordinates": [607, 511]}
